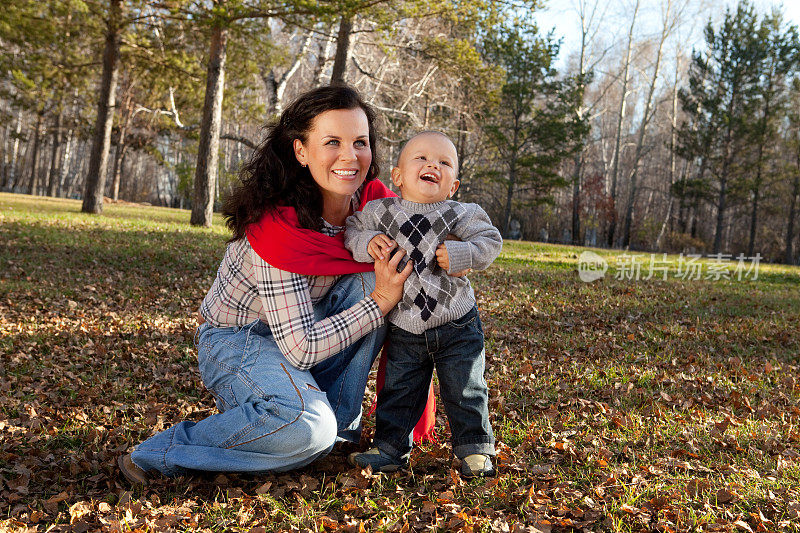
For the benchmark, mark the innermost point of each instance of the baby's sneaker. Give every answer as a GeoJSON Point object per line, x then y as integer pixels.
{"type": "Point", "coordinates": [477, 465]}
{"type": "Point", "coordinates": [378, 460]}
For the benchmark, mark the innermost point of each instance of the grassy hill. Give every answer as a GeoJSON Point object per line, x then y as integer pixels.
{"type": "Point", "coordinates": [669, 403]}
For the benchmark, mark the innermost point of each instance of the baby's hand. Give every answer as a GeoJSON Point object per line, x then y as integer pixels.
{"type": "Point", "coordinates": [380, 246]}
{"type": "Point", "coordinates": [442, 258]}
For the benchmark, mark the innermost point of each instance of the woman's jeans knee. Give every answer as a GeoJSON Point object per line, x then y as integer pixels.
{"type": "Point", "coordinates": [344, 376]}
{"type": "Point", "coordinates": [273, 417]}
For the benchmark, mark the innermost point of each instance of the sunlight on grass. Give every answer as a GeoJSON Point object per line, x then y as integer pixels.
{"type": "Point", "coordinates": [619, 404]}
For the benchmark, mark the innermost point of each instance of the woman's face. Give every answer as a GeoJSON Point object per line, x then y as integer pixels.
{"type": "Point", "coordinates": [337, 151]}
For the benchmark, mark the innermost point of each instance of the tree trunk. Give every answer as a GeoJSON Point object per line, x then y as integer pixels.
{"type": "Point", "coordinates": [727, 160]}
{"type": "Point", "coordinates": [667, 218]}
{"type": "Point", "coordinates": [271, 83]}
{"type": "Point", "coordinates": [119, 157]}
{"type": "Point", "coordinates": [672, 160]}
{"type": "Point", "coordinates": [119, 153]}
{"type": "Point", "coordinates": [52, 178]}
{"type": "Point", "coordinates": [14, 172]}
{"type": "Point", "coordinates": [512, 181]}
{"type": "Point", "coordinates": [754, 219]}
{"type": "Point", "coordinates": [33, 188]}
{"type": "Point", "coordinates": [576, 199]}
{"type": "Point", "coordinates": [612, 228]}
{"type": "Point", "coordinates": [461, 149]}
{"type": "Point", "coordinates": [789, 254]}
{"type": "Point", "coordinates": [691, 222]}
{"type": "Point", "coordinates": [208, 150]}
{"type": "Point", "coordinates": [759, 169]}
{"type": "Point", "coordinates": [4, 172]}
{"type": "Point", "coordinates": [342, 49]}
{"type": "Point", "coordinates": [65, 161]}
{"type": "Point", "coordinates": [649, 111]}
{"type": "Point", "coordinates": [322, 59]}
{"type": "Point", "coordinates": [586, 16]}
{"type": "Point", "coordinates": [721, 205]}
{"type": "Point", "coordinates": [101, 142]}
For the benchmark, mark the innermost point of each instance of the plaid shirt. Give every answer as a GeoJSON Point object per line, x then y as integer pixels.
{"type": "Point", "coordinates": [248, 288]}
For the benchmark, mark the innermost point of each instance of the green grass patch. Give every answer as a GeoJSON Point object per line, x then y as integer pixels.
{"type": "Point", "coordinates": [625, 404]}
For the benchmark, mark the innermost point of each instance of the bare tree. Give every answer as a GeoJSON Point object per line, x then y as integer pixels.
{"type": "Point", "coordinates": [276, 85]}
{"type": "Point", "coordinates": [626, 77]}
{"type": "Point", "coordinates": [590, 22]}
{"type": "Point", "coordinates": [669, 20]}
{"type": "Point", "coordinates": [101, 143]}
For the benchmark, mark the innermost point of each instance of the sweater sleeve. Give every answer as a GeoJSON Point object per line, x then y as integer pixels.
{"type": "Point", "coordinates": [361, 228]}
{"type": "Point", "coordinates": [288, 311]}
{"type": "Point", "coordinates": [480, 242]}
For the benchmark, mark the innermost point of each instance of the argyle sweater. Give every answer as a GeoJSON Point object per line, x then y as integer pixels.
{"type": "Point", "coordinates": [430, 296]}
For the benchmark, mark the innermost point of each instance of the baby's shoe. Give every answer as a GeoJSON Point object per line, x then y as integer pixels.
{"type": "Point", "coordinates": [477, 465]}
{"type": "Point", "coordinates": [378, 460]}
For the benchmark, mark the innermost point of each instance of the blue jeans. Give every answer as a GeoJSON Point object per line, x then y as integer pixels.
{"type": "Point", "coordinates": [273, 417]}
{"type": "Point", "coordinates": [456, 350]}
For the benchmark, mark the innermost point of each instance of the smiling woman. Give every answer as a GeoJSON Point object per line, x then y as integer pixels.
{"type": "Point", "coordinates": [292, 323]}
{"type": "Point", "coordinates": [338, 154]}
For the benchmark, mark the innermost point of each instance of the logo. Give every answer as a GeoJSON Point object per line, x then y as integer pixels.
{"type": "Point", "coordinates": [591, 267]}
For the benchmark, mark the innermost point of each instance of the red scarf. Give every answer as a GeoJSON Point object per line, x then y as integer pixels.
{"type": "Point", "coordinates": [280, 241]}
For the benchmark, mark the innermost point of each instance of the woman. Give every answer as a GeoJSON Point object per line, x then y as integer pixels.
{"type": "Point", "coordinates": [292, 324]}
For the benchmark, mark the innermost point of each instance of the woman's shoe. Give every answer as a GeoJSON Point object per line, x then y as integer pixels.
{"type": "Point", "coordinates": [134, 474]}
{"type": "Point", "coordinates": [378, 460]}
{"type": "Point", "coordinates": [477, 465]}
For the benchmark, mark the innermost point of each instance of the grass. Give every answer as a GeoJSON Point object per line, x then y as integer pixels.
{"type": "Point", "coordinates": [623, 404]}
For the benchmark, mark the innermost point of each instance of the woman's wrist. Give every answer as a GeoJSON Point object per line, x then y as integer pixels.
{"type": "Point", "coordinates": [384, 304]}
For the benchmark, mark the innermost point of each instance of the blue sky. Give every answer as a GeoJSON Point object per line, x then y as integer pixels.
{"type": "Point", "coordinates": [562, 16]}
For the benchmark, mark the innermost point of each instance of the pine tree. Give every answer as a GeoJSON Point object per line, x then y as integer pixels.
{"type": "Point", "coordinates": [533, 125]}
{"type": "Point", "coordinates": [718, 103]}
{"type": "Point", "coordinates": [777, 62]}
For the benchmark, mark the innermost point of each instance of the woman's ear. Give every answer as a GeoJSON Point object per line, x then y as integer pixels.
{"type": "Point", "coordinates": [300, 152]}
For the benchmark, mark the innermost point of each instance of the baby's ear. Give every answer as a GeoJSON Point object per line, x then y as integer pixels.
{"type": "Point", "coordinates": [396, 177]}
{"type": "Point", "coordinates": [454, 188]}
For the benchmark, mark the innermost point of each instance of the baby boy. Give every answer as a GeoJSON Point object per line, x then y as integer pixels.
{"type": "Point", "coordinates": [436, 323]}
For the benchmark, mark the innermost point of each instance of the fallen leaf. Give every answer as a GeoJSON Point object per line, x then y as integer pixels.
{"type": "Point", "coordinates": [696, 487]}
{"type": "Point", "coordinates": [725, 496]}
{"type": "Point", "coordinates": [264, 488]}
{"type": "Point", "coordinates": [78, 511]}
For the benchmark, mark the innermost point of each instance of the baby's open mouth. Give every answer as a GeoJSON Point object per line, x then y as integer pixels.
{"type": "Point", "coordinates": [429, 177]}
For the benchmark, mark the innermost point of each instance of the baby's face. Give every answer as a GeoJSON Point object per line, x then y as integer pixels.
{"type": "Point", "coordinates": [427, 170]}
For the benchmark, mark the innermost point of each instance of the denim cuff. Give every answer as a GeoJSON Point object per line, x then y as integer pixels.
{"type": "Point", "coordinates": [152, 454]}
{"type": "Point", "coordinates": [389, 449]}
{"type": "Point", "coordinates": [463, 450]}
{"type": "Point", "coordinates": [349, 435]}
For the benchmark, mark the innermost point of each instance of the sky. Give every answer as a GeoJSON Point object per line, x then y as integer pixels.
{"type": "Point", "coordinates": [562, 17]}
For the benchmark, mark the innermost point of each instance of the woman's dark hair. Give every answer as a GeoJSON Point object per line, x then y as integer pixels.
{"type": "Point", "coordinates": [274, 177]}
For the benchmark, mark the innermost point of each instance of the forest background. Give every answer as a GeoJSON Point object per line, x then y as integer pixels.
{"type": "Point", "coordinates": [635, 139]}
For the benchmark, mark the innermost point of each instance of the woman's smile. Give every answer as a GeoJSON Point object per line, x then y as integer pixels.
{"type": "Point", "coordinates": [347, 174]}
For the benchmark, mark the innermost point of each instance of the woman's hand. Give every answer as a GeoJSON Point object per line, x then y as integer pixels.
{"type": "Point", "coordinates": [389, 282]}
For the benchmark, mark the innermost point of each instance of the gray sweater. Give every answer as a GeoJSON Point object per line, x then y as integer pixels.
{"type": "Point", "coordinates": [430, 297]}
